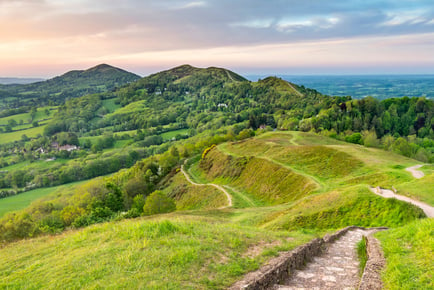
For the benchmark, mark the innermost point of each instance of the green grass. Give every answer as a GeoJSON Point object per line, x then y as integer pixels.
{"type": "Point", "coordinates": [409, 254]}
{"type": "Point", "coordinates": [110, 105]}
{"type": "Point", "coordinates": [421, 189]}
{"type": "Point", "coordinates": [266, 181]}
{"type": "Point", "coordinates": [336, 209]}
{"type": "Point", "coordinates": [41, 164]}
{"type": "Point", "coordinates": [193, 197]}
{"type": "Point", "coordinates": [296, 186]}
{"type": "Point", "coordinates": [23, 200]}
{"type": "Point", "coordinates": [171, 134]}
{"type": "Point", "coordinates": [161, 252]}
{"type": "Point", "coordinates": [240, 198]}
{"type": "Point", "coordinates": [16, 135]}
{"type": "Point", "coordinates": [26, 117]}
{"type": "Point", "coordinates": [133, 107]}
{"type": "Point", "coordinates": [362, 254]}
{"type": "Point", "coordinates": [328, 162]}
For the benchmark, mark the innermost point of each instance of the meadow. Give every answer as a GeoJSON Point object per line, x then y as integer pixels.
{"type": "Point", "coordinates": [23, 200]}
{"type": "Point", "coordinates": [162, 252]}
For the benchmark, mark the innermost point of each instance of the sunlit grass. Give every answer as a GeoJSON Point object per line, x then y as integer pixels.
{"type": "Point", "coordinates": [162, 252]}
{"type": "Point", "coordinates": [17, 135]}
{"type": "Point", "coordinates": [22, 200]}
{"type": "Point", "coordinates": [409, 255]}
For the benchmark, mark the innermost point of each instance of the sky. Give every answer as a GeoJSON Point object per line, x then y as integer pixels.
{"type": "Point", "coordinates": [45, 38]}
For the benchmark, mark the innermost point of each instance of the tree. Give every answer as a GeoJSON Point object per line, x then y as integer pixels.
{"type": "Point", "coordinates": [370, 139]}
{"type": "Point", "coordinates": [12, 123]}
{"type": "Point", "coordinates": [157, 203]}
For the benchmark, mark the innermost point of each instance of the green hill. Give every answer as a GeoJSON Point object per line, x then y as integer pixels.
{"type": "Point", "coordinates": [73, 84]}
{"type": "Point", "coordinates": [201, 246]}
{"type": "Point", "coordinates": [225, 131]}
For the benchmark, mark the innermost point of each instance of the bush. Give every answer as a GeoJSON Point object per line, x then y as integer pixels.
{"type": "Point", "coordinates": [158, 202]}
{"type": "Point", "coordinates": [355, 138]}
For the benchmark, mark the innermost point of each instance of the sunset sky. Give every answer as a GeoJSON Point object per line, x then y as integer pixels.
{"type": "Point", "coordinates": [44, 38]}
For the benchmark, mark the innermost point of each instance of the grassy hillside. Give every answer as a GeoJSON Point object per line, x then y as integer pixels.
{"type": "Point", "coordinates": [193, 197]}
{"type": "Point", "coordinates": [162, 252]}
{"type": "Point", "coordinates": [265, 180]}
{"type": "Point", "coordinates": [23, 200]}
{"type": "Point", "coordinates": [409, 254]}
{"type": "Point", "coordinates": [280, 201]}
{"type": "Point", "coordinates": [73, 84]}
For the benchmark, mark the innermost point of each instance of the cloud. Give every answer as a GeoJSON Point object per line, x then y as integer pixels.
{"type": "Point", "coordinates": [87, 29]}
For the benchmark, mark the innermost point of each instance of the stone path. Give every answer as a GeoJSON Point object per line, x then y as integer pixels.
{"type": "Point", "coordinates": [336, 268]}
{"type": "Point", "coordinates": [209, 184]}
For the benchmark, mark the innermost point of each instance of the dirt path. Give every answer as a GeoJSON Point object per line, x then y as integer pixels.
{"type": "Point", "coordinates": [249, 201]}
{"type": "Point", "coordinates": [415, 172]}
{"type": "Point", "coordinates": [229, 75]}
{"type": "Point", "coordinates": [336, 268]}
{"type": "Point", "coordinates": [209, 184]}
{"type": "Point", "coordinates": [387, 193]}
{"type": "Point", "coordinates": [295, 90]}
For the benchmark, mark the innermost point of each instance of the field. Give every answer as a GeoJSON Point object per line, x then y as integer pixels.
{"type": "Point", "coordinates": [26, 165]}
{"type": "Point", "coordinates": [22, 200]}
{"type": "Point", "coordinates": [16, 135]}
{"type": "Point", "coordinates": [26, 117]}
{"type": "Point", "coordinates": [171, 134]}
{"type": "Point", "coordinates": [110, 105]}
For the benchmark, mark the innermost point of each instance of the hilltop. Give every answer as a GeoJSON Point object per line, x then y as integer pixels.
{"type": "Point", "coordinates": [73, 84]}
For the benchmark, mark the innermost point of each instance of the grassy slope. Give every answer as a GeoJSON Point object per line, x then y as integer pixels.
{"type": "Point", "coordinates": [192, 197]}
{"type": "Point", "coordinates": [263, 179]}
{"type": "Point", "coordinates": [409, 254]}
{"type": "Point", "coordinates": [16, 135]}
{"type": "Point", "coordinates": [163, 252]}
{"type": "Point", "coordinates": [22, 200]}
{"type": "Point", "coordinates": [421, 189]}
{"type": "Point", "coordinates": [25, 117]}
{"type": "Point", "coordinates": [211, 248]}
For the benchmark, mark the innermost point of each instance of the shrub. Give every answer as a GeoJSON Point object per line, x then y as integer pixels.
{"type": "Point", "coordinates": [205, 152]}
{"type": "Point", "coordinates": [158, 202]}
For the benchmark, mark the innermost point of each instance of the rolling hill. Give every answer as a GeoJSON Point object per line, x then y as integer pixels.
{"type": "Point", "coordinates": [217, 246]}
{"type": "Point", "coordinates": [73, 84]}
{"type": "Point", "coordinates": [295, 163]}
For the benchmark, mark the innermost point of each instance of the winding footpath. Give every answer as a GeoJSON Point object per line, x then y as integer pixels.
{"type": "Point", "coordinates": [209, 184]}
{"type": "Point", "coordinates": [415, 172]}
{"type": "Point", "coordinates": [387, 193]}
{"type": "Point", "coordinates": [336, 268]}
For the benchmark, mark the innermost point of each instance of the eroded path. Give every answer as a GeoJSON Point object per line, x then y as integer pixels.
{"type": "Point", "coordinates": [209, 184]}
{"type": "Point", "coordinates": [336, 268]}
{"type": "Point", "coordinates": [387, 193]}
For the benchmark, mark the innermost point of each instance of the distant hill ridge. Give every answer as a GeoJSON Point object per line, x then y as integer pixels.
{"type": "Point", "coordinates": [10, 80]}
{"type": "Point", "coordinates": [186, 70]}
{"type": "Point", "coordinates": [72, 84]}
